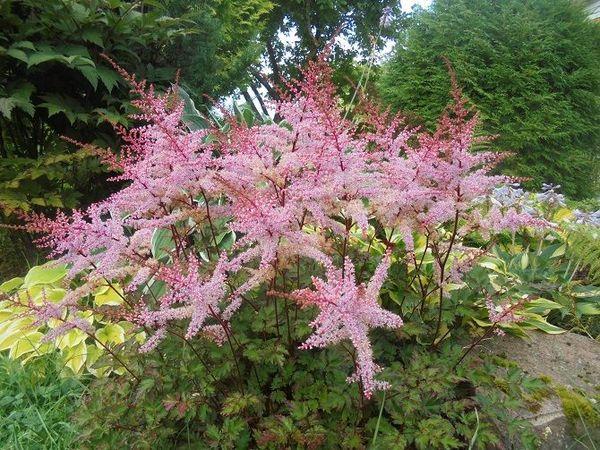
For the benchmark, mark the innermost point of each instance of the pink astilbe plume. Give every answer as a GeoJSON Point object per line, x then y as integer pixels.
{"type": "Point", "coordinates": [349, 311]}
{"type": "Point", "coordinates": [289, 192]}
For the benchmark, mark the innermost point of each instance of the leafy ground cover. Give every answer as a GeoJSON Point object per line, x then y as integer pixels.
{"type": "Point", "coordinates": [37, 405]}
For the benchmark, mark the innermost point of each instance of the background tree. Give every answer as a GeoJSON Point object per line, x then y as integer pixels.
{"type": "Point", "coordinates": [531, 67]}
{"type": "Point", "coordinates": [54, 83]}
{"type": "Point", "coordinates": [311, 25]}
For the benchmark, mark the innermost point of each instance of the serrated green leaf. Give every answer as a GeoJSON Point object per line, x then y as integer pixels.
{"type": "Point", "coordinates": [108, 77]}
{"type": "Point", "coordinates": [7, 104]}
{"type": "Point", "coordinates": [90, 74]}
{"type": "Point", "coordinates": [93, 36]}
{"type": "Point", "coordinates": [43, 56]}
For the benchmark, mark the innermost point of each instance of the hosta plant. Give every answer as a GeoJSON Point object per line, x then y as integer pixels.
{"type": "Point", "coordinates": [91, 347]}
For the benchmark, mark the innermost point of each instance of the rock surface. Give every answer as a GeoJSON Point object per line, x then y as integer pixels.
{"type": "Point", "coordinates": [569, 360]}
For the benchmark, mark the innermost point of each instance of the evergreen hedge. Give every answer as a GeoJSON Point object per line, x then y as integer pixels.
{"type": "Point", "coordinates": [532, 69]}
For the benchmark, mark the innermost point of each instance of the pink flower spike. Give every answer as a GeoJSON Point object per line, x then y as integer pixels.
{"type": "Point", "coordinates": [348, 311]}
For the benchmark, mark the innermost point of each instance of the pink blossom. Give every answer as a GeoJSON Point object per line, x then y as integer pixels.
{"type": "Point", "coordinates": [348, 311]}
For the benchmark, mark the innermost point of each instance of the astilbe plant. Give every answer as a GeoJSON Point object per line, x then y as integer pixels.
{"type": "Point", "coordinates": [288, 192]}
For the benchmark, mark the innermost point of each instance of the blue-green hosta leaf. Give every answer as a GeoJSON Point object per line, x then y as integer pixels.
{"type": "Point", "coordinates": [162, 244]}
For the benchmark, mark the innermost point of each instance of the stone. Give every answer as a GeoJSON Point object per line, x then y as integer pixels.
{"type": "Point", "coordinates": [569, 360]}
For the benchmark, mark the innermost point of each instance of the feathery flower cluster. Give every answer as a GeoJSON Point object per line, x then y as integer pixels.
{"type": "Point", "coordinates": [287, 191]}
{"type": "Point", "coordinates": [348, 311]}
{"type": "Point", "coordinates": [503, 314]}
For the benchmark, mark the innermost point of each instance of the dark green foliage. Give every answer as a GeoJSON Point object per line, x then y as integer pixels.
{"type": "Point", "coordinates": [258, 390]}
{"type": "Point", "coordinates": [214, 58]}
{"type": "Point", "coordinates": [36, 406]}
{"type": "Point", "coordinates": [53, 83]}
{"type": "Point", "coordinates": [18, 253]}
{"type": "Point", "coordinates": [314, 25]}
{"type": "Point", "coordinates": [532, 69]}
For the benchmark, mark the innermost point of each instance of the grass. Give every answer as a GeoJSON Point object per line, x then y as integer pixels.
{"type": "Point", "coordinates": [36, 405]}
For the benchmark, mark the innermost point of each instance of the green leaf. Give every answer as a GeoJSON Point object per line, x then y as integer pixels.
{"type": "Point", "coordinates": [560, 251]}
{"type": "Point", "coordinates": [109, 77]}
{"type": "Point", "coordinates": [24, 44]}
{"type": "Point", "coordinates": [93, 36]}
{"type": "Point", "coordinates": [18, 54]}
{"type": "Point", "coordinates": [107, 295]}
{"type": "Point", "coordinates": [45, 56]}
{"type": "Point", "coordinates": [525, 260]}
{"type": "Point", "coordinates": [7, 104]}
{"type": "Point", "coordinates": [75, 357]}
{"type": "Point", "coordinates": [72, 338]}
{"type": "Point", "coordinates": [11, 284]}
{"type": "Point", "coordinates": [26, 344]}
{"type": "Point", "coordinates": [542, 305]}
{"type": "Point", "coordinates": [91, 74]}
{"type": "Point", "coordinates": [19, 97]}
{"type": "Point", "coordinates": [237, 402]}
{"type": "Point", "coordinates": [585, 308]}
{"type": "Point", "coordinates": [44, 275]}
{"type": "Point", "coordinates": [162, 244]}
{"type": "Point", "coordinates": [13, 330]}
{"type": "Point", "coordinates": [538, 322]}
{"type": "Point", "coordinates": [191, 116]}
{"type": "Point", "coordinates": [111, 334]}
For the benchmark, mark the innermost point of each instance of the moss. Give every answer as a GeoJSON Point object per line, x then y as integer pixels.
{"type": "Point", "coordinates": [578, 408]}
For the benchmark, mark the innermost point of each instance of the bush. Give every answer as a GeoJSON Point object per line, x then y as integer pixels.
{"type": "Point", "coordinates": [532, 69]}
{"type": "Point", "coordinates": [264, 269]}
